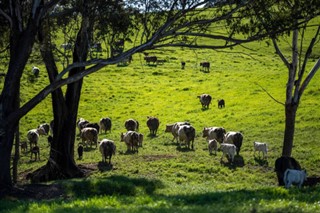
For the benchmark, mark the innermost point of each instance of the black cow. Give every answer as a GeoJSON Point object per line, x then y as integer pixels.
{"type": "Point", "coordinates": [282, 164]}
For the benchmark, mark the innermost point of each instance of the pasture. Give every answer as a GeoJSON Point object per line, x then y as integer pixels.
{"type": "Point", "coordinates": [163, 177]}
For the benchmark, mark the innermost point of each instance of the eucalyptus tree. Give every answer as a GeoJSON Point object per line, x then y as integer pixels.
{"type": "Point", "coordinates": [283, 20]}
{"type": "Point", "coordinates": [150, 24]}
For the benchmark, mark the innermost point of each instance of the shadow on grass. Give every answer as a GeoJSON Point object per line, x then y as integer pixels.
{"type": "Point", "coordinates": [104, 167]}
{"type": "Point", "coordinates": [261, 161]}
{"type": "Point", "coordinates": [237, 162]}
{"type": "Point", "coordinates": [184, 149]}
{"type": "Point", "coordinates": [114, 185]}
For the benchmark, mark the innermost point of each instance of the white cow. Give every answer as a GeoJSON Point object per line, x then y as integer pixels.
{"type": "Point", "coordinates": [260, 147]}
{"type": "Point", "coordinates": [294, 176]}
{"type": "Point", "coordinates": [229, 150]}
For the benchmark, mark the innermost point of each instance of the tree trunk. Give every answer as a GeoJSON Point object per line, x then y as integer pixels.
{"type": "Point", "coordinates": [290, 111]}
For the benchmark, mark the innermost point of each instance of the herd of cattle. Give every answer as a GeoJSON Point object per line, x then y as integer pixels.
{"type": "Point", "coordinates": [229, 143]}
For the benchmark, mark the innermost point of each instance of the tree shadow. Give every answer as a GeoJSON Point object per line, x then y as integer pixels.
{"type": "Point", "coordinates": [114, 185]}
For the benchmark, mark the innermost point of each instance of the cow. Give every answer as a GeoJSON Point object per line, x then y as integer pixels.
{"type": "Point", "coordinates": [105, 124]}
{"type": "Point", "coordinates": [205, 66]}
{"type": "Point", "coordinates": [293, 176]}
{"type": "Point", "coordinates": [46, 128]}
{"type": "Point", "coordinates": [81, 123]}
{"type": "Point", "coordinates": [131, 125]}
{"type": "Point", "coordinates": [205, 100]}
{"type": "Point", "coordinates": [214, 133]}
{"type": "Point", "coordinates": [89, 135]}
{"type": "Point", "coordinates": [228, 150]}
{"type": "Point", "coordinates": [93, 125]}
{"type": "Point", "coordinates": [260, 147]}
{"type": "Point", "coordinates": [235, 138]}
{"type": "Point", "coordinates": [107, 148]}
{"type": "Point", "coordinates": [153, 125]}
{"type": "Point", "coordinates": [221, 103]}
{"type": "Point", "coordinates": [150, 59]}
{"type": "Point", "coordinates": [131, 139]}
{"type": "Point", "coordinates": [183, 64]}
{"type": "Point", "coordinates": [173, 128]}
{"type": "Point", "coordinates": [282, 164]}
{"type": "Point", "coordinates": [186, 133]}
{"type": "Point", "coordinates": [35, 71]}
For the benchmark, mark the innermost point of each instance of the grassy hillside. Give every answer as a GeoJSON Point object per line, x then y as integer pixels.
{"type": "Point", "coordinates": [165, 178]}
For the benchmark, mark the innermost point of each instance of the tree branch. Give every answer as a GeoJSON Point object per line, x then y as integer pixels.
{"type": "Point", "coordinates": [278, 51]}
{"type": "Point", "coordinates": [279, 102]}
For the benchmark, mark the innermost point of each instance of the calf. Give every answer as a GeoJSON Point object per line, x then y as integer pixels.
{"type": "Point", "coordinates": [35, 71]}
{"type": "Point", "coordinates": [221, 103]}
{"type": "Point", "coordinates": [293, 176]}
{"type": "Point", "coordinates": [260, 147]}
{"type": "Point", "coordinates": [24, 146]}
{"type": "Point", "coordinates": [228, 150]}
{"type": "Point", "coordinates": [213, 145]}
{"type": "Point", "coordinates": [153, 125]}
{"type": "Point", "coordinates": [80, 151]}
{"type": "Point", "coordinates": [107, 148]}
{"type": "Point", "coordinates": [205, 100]}
{"type": "Point", "coordinates": [36, 152]}
{"type": "Point", "coordinates": [282, 164]}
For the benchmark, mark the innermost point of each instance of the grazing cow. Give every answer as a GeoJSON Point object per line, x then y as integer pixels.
{"type": "Point", "coordinates": [131, 125]}
{"type": "Point", "coordinates": [205, 66]}
{"type": "Point", "coordinates": [131, 139]}
{"type": "Point", "coordinates": [46, 128]}
{"type": "Point", "coordinates": [293, 176]}
{"type": "Point", "coordinates": [235, 138]}
{"type": "Point", "coordinates": [213, 145]}
{"type": "Point", "coordinates": [80, 151]}
{"type": "Point", "coordinates": [282, 164]}
{"type": "Point", "coordinates": [93, 125]}
{"type": "Point", "coordinates": [105, 124]}
{"type": "Point", "coordinates": [183, 64]}
{"type": "Point", "coordinates": [90, 135]}
{"type": "Point", "coordinates": [186, 133]}
{"type": "Point", "coordinates": [260, 147]}
{"type": "Point", "coordinates": [107, 148]}
{"type": "Point", "coordinates": [36, 152]}
{"type": "Point", "coordinates": [35, 71]}
{"type": "Point", "coordinates": [173, 128]}
{"type": "Point", "coordinates": [24, 146]}
{"type": "Point", "coordinates": [150, 59]}
{"type": "Point", "coordinates": [153, 125]}
{"type": "Point", "coordinates": [205, 100]}
{"type": "Point", "coordinates": [221, 103]}
{"type": "Point", "coordinates": [228, 150]}
{"type": "Point", "coordinates": [81, 123]}
{"type": "Point", "coordinates": [214, 133]}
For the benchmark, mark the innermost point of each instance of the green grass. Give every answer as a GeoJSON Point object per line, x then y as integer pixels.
{"type": "Point", "coordinates": [164, 178]}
